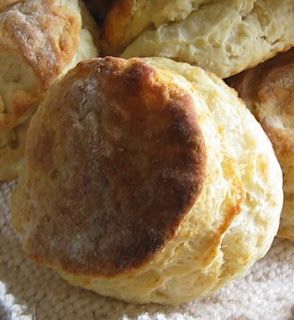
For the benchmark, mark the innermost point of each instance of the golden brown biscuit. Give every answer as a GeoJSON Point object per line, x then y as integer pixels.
{"type": "Point", "coordinates": [129, 18]}
{"type": "Point", "coordinates": [223, 36]}
{"type": "Point", "coordinates": [39, 41]}
{"type": "Point", "coordinates": [268, 91]}
{"type": "Point", "coordinates": [146, 180]}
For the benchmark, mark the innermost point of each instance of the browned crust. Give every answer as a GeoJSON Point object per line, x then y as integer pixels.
{"type": "Point", "coordinates": [5, 4]}
{"type": "Point", "coordinates": [115, 23]}
{"type": "Point", "coordinates": [32, 37]}
{"type": "Point", "coordinates": [271, 83]}
{"type": "Point", "coordinates": [46, 36]}
{"type": "Point", "coordinates": [129, 171]}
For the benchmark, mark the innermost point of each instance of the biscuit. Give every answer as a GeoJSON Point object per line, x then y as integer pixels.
{"type": "Point", "coordinates": [39, 41]}
{"type": "Point", "coordinates": [146, 180]}
{"type": "Point", "coordinates": [224, 37]}
{"type": "Point", "coordinates": [268, 91]}
{"type": "Point", "coordinates": [129, 18]}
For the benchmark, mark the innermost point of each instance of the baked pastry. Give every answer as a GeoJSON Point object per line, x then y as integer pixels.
{"type": "Point", "coordinates": [99, 8]}
{"type": "Point", "coordinates": [39, 41]}
{"type": "Point", "coordinates": [268, 91]}
{"type": "Point", "coordinates": [146, 180]}
{"type": "Point", "coordinates": [129, 18]}
{"type": "Point", "coordinates": [224, 36]}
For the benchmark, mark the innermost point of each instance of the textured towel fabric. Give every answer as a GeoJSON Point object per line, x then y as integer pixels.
{"type": "Point", "coordinates": [30, 292]}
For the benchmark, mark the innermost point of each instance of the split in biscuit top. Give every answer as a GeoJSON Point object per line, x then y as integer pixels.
{"type": "Point", "coordinates": [119, 153]}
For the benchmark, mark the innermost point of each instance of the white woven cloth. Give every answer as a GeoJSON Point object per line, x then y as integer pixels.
{"type": "Point", "coordinates": [31, 292]}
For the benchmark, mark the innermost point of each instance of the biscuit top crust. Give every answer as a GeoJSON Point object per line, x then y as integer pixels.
{"type": "Point", "coordinates": [115, 161]}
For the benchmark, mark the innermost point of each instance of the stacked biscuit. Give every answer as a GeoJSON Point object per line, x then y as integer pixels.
{"type": "Point", "coordinates": [144, 177]}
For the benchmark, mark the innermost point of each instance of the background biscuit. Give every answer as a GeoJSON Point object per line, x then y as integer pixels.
{"type": "Point", "coordinates": [268, 91]}
{"type": "Point", "coordinates": [128, 18]}
{"type": "Point", "coordinates": [224, 37]}
{"type": "Point", "coordinates": [39, 41]}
